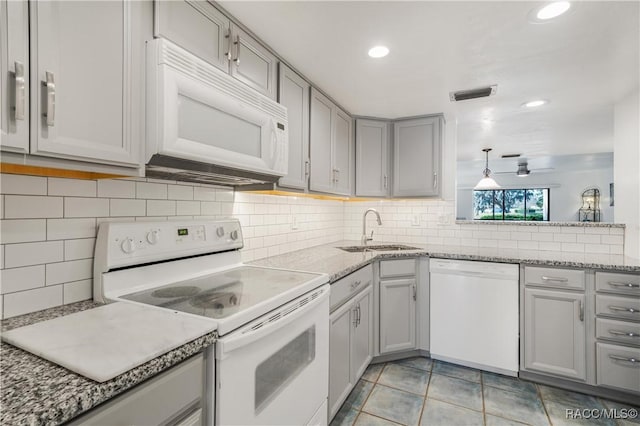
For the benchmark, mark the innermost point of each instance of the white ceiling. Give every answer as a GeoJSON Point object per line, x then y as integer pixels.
{"type": "Point", "coordinates": [582, 62]}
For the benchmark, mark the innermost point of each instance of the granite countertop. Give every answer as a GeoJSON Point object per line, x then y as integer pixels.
{"type": "Point", "coordinates": [34, 391]}
{"type": "Point", "coordinates": [338, 263]}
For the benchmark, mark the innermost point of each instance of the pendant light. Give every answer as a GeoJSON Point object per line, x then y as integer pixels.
{"type": "Point", "coordinates": [487, 182]}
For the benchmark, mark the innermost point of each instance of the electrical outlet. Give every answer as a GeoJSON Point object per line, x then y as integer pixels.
{"type": "Point", "coordinates": [443, 219]}
{"type": "Point", "coordinates": [294, 223]}
{"type": "Point", "coordinates": [415, 221]}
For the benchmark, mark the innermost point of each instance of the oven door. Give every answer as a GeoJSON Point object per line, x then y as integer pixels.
{"type": "Point", "coordinates": [274, 371]}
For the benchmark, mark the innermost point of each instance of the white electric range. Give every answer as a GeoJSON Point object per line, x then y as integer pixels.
{"type": "Point", "coordinates": [270, 363]}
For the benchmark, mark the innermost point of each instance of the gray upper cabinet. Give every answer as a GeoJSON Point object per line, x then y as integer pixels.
{"type": "Point", "coordinates": [87, 71]}
{"type": "Point", "coordinates": [293, 93]}
{"type": "Point", "coordinates": [196, 26]}
{"type": "Point", "coordinates": [331, 147]}
{"type": "Point", "coordinates": [252, 63]}
{"type": "Point", "coordinates": [14, 81]}
{"type": "Point", "coordinates": [416, 157]}
{"type": "Point", "coordinates": [372, 158]}
{"type": "Point", "coordinates": [554, 333]}
{"type": "Point", "coordinates": [202, 29]}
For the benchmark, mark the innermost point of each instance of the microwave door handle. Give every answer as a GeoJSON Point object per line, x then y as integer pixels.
{"type": "Point", "coordinates": [241, 339]}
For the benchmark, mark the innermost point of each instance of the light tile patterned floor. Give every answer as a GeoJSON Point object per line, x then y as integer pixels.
{"type": "Point", "coordinates": [420, 391]}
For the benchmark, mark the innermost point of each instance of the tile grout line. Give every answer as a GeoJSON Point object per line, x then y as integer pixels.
{"type": "Point", "coordinates": [544, 407]}
{"type": "Point", "coordinates": [426, 392]}
{"type": "Point", "coordinates": [370, 392]}
{"type": "Point", "coordinates": [484, 410]}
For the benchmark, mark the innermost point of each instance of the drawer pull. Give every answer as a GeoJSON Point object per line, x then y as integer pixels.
{"type": "Point", "coordinates": [624, 358]}
{"type": "Point", "coordinates": [557, 279]}
{"type": "Point", "coordinates": [581, 311]}
{"type": "Point", "coordinates": [621, 284]}
{"type": "Point", "coordinates": [623, 309]}
{"type": "Point", "coordinates": [623, 333]}
{"type": "Point", "coordinates": [355, 284]}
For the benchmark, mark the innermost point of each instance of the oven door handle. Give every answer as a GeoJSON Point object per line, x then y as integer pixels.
{"type": "Point", "coordinates": [270, 324]}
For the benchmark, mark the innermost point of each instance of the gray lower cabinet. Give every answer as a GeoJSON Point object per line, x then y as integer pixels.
{"type": "Point", "coordinates": [372, 158]}
{"type": "Point", "coordinates": [554, 332]}
{"type": "Point", "coordinates": [397, 314]}
{"type": "Point", "coordinates": [293, 93]}
{"type": "Point", "coordinates": [172, 397]}
{"type": "Point", "coordinates": [416, 157]}
{"type": "Point", "coordinates": [618, 331]}
{"type": "Point", "coordinates": [350, 346]}
{"type": "Point", "coordinates": [331, 147]}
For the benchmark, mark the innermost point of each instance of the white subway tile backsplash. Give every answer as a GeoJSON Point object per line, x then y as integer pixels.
{"type": "Point", "coordinates": [72, 187]}
{"type": "Point", "coordinates": [188, 208]}
{"type": "Point", "coordinates": [203, 193]}
{"type": "Point", "coordinates": [22, 230]}
{"type": "Point", "coordinates": [116, 188]}
{"type": "Point", "coordinates": [19, 279]}
{"type": "Point", "coordinates": [79, 249]}
{"type": "Point", "coordinates": [124, 207]}
{"type": "Point", "coordinates": [26, 254]}
{"type": "Point", "coordinates": [23, 184]}
{"type": "Point", "coordinates": [149, 191]}
{"type": "Point", "coordinates": [86, 207]}
{"type": "Point", "coordinates": [63, 229]}
{"type": "Point", "coordinates": [77, 291]}
{"type": "Point", "coordinates": [180, 192]}
{"type": "Point", "coordinates": [267, 225]}
{"type": "Point", "coordinates": [28, 206]}
{"type": "Point", "coordinates": [64, 272]}
{"type": "Point", "coordinates": [161, 208]}
{"type": "Point", "coordinates": [33, 300]}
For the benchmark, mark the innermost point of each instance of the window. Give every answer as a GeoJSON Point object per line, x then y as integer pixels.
{"type": "Point", "coordinates": [511, 204]}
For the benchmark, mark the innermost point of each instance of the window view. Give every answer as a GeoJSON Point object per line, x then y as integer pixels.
{"type": "Point", "coordinates": [511, 204]}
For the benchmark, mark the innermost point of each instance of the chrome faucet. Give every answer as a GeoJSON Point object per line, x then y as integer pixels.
{"type": "Point", "coordinates": [364, 239]}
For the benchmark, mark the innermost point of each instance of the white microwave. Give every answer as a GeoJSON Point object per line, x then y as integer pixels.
{"type": "Point", "coordinates": [203, 125]}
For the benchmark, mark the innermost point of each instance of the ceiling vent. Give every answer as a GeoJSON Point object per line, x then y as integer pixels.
{"type": "Point", "coordinates": [510, 155]}
{"type": "Point", "coordinates": [464, 95]}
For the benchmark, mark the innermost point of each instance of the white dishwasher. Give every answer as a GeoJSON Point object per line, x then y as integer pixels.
{"type": "Point", "coordinates": [474, 314]}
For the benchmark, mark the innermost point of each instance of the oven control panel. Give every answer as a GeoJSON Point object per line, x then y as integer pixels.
{"type": "Point", "coordinates": [133, 243]}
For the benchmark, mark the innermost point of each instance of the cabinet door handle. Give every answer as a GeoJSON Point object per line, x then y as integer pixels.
{"type": "Point", "coordinates": [581, 311]}
{"type": "Point", "coordinates": [337, 175]}
{"type": "Point", "coordinates": [19, 89]}
{"type": "Point", "coordinates": [355, 284]}
{"type": "Point", "coordinates": [359, 313]}
{"type": "Point", "coordinates": [228, 37]}
{"type": "Point", "coordinates": [306, 169]}
{"type": "Point", "coordinates": [620, 284]}
{"type": "Point", "coordinates": [624, 358]}
{"type": "Point", "coordinates": [435, 181]}
{"type": "Point", "coordinates": [623, 333]}
{"type": "Point", "coordinates": [558, 279]}
{"type": "Point", "coordinates": [623, 309]}
{"type": "Point", "coordinates": [415, 292]}
{"type": "Point", "coordinates": [385, 181]}
{"type": "Point", "coordinates": [237, 43]}
{"type": "Point", "coordinates": [50, 87]}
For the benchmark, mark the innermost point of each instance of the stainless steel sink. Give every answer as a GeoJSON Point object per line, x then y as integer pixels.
{"type": "Point", "coordinates": [385, 247]}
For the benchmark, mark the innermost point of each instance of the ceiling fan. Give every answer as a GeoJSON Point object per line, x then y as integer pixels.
{"type": "Point", "coordinates": [523, 169]}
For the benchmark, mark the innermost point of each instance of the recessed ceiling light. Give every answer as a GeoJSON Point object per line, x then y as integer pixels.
{"type": "Point", "coordinates": [378, 51]}
{"type": "Point", "coordinates": [553, 10]}
{"type": "Point", "coordinates": [536, 103]}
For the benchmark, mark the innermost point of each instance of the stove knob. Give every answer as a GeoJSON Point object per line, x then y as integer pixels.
{"type": "Point", "coordinates": [128, 245]}
{"type": "Point", "coordinates": [220, 231]}
{"type": "Point", "coordinates": [153, 237]}
{"type": "Point", "coordinates": [234, 235]}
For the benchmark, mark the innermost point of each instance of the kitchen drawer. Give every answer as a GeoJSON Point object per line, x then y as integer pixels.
{"type": "Point", "coordinates": [618, 306]}
{"type": "Point", "coordinates": [397, 268]}
{"type": "Point", "coordinates": [167, 397]}
{"type": "Point", "coordinates": [554, 277]}
{"type": "Point", "coordinates": [614, 282]}
{"type": "Point", "coordinates": [345, 288]}
{"type": "Point", "coordinates": [620, 331]}
{"type": "Point", "coordinates": [618, 367]}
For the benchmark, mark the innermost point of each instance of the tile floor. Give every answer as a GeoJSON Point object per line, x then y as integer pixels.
{"type": "Point", "coordinates": [426, 392]}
